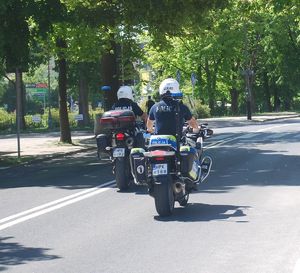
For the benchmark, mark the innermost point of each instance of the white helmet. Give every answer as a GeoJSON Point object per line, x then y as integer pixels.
{"type": "Point", "coordinates": [169, 85]}
{"type": "Point", "coordinates": [125, 92]}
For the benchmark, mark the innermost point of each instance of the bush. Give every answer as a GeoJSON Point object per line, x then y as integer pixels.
{"type": "Point", "coordinates": [201, 110]}
{"type": "Point", "coordinates": [30, 124]}
{"type": "Point", "coordinates": [6, 120]}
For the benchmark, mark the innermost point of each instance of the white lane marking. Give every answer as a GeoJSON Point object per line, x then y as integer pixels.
{"type": "Point", "coordinates": [275, 136]}
{"type": "Point", "coordinates": [53, 202]}
{"type": "Point", "coordinates": [273, 127]}
{"type": "Point", "coordinates": [54, 205]}
{"type": "Point", "coordinates": [297, 267]}
{"type": "Point", "coordinates": [214, 145]}
{"type": "Point", "coordinates": [247, 136]}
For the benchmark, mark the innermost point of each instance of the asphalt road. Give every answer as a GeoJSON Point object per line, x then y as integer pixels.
{"type": "Point", "coordinates": [65, 215]}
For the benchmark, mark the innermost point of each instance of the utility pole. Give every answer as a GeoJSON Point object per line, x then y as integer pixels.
{"type": "Point", "coordinates": [49, 99]}
{"type": "Point", "coordinates": [18, 108]}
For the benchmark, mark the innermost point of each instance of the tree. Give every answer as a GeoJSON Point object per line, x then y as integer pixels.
{"type": "Point", "coordinates": [20, 24]}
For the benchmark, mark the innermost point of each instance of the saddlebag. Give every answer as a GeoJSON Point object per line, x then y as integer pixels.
{"type": "Point", "coordinates": [189, 163]}
{"type": "Point", "coordinates": [102, 143]}
{"type": "Point", "coordinates": [138, 166]}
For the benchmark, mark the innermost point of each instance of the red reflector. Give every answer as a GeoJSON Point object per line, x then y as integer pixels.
{"type": "Point", "coordinates": [159, 158]}
{"type": "Point", "coordinates": [120, 136]}
{"type": "Point", "coordinates": [125, 119]}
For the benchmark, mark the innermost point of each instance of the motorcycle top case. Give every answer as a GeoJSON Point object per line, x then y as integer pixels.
{"type": "Point", "coordinates": [117, 119]}
{"type": "Point", "coordinates": [138, 165]}
{"type": "Point", "coordinates": [189, 163]}
{"type": "Point", "coordinates": [162, 141]}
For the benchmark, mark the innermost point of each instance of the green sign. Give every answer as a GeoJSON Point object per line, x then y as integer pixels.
{"type": "Point", "coordinates": [37, 88]}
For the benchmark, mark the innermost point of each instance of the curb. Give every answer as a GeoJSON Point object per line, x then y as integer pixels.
{"type": "Point", "coordinates": [277, 118]}
{"type": "Point", "coordinates": [254, 119]}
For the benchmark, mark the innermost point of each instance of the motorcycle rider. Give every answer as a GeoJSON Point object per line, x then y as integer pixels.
{"type": "Point", "coordinates": [125, 102]}
{"type": "Point", "coordinates": [163, 112]}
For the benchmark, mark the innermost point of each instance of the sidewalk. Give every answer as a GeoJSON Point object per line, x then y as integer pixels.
{"type": "Point", "coordinates": [35, 146]}
{"type": "Point", "coordinates": [46, 145]}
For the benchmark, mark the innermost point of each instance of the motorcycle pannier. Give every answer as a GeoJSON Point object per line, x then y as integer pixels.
{"type": "Point", "coordinates": [102, 142]}
{"type": "Point", "coordinates": [138, 166]}
{"type": "Point", "coordinates": [117, 119]}
{"type": "Point", "coordinates": [188, 162]}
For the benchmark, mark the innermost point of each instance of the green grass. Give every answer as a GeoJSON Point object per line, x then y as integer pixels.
{"type": "Point", "coordinates": [9, 161]}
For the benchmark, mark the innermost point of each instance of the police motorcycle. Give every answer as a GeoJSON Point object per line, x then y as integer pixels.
{"type": "Point", "coordinates": [172, 167]}
{"type": "Point", "coordinates": [120, 133]}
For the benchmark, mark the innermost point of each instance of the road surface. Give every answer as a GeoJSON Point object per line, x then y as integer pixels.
{"type": "Point", "coordinates": [65, 215]}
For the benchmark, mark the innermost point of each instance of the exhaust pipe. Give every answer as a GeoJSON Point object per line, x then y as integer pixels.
{"type": "Point", "coordinates": [179, 188]}
{"type": "Point", "coordinates": [129, 142]}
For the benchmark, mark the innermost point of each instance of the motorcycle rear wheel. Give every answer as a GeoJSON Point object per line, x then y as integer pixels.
{"type": "Point", "coordinates": [164, 196]}
{"type": "Point", "coordinates": [122, 172]}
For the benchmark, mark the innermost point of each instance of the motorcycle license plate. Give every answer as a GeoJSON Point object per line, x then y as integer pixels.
{"type": "Point", "coordinates": [159, 169]}
{"type": "Point", "coordinates": [119, 152]}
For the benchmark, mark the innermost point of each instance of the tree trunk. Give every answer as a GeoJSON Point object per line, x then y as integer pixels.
{"type": "Point", "coordinates": [267, 92]}
{"type": "Point", "coordinates": [277, 101]}
{"type": "Point", "coordinates": [65, 133]}
{"type": "Point", "coordinates": [110, 76]}
{"type": "Point", "coordinates": [83, 97]}
{"type": "Point", "coordinates": [234, 101]}
{"type": "Point", "coordinates": [210, 94]}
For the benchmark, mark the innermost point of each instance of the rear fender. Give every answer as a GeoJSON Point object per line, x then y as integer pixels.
{"type": "Point", "coordinates": [161, 179]}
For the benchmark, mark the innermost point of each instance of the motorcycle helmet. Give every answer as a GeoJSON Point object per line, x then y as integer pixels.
{"type": "Point", "coordinates": [170, 85]}
{"type": "Point", "coordinates": [125, 92]}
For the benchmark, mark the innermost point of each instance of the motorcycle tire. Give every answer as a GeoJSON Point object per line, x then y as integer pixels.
{"type": "Point", "coordinates": [122, 173]}
{"type": "Point", "coordinates": [164, 196]}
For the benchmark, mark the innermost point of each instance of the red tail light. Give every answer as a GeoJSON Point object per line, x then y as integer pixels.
{"type": "Point", "coordinates": [120, 136]}
{"type": "Point", "coordinates": [159, 158]}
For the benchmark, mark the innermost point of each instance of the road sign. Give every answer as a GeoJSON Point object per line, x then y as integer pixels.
{"type": "Point", "coordinates": [36, 119]}
{"type": "Point", "coordinates": [36, 88]}
{"type": "Point", "coordinates": [193, 79]}
{"type": "Point", "coordinates": [79, 117]}
{"type": "Point", "coordinates": [178, 76]}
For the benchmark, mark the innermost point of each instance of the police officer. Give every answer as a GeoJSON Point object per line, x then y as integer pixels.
{"type": "Point", "coordinates": [164, 112]}
{"type": "Point", "coordinates": [125, 102]}
{"type": "Point", "coordinates": [149, 104]}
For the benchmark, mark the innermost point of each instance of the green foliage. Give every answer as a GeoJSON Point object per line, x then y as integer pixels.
{"type": "Point", "coordinates": [263, 37]}
{"type": "Point", "coordinates": [200, 110]}
{"type": "Point", "coordinates": [6, 120]}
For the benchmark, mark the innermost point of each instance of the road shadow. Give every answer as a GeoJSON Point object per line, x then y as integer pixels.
{"type": "Point", "coordinates": [269, 159]}
{"type": "Point", "coordinates": [13, 254]}
{"type": "Point", "coordinates": [133, 188]}
{"type": "Point", "coordinates": [239, 162]}
{"type": "Point", "coordinates": [76, 171]}
{"type": "Point", "coordinates": [198, 212]}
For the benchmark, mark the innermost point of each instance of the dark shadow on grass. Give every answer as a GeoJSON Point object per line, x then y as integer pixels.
{"type": "Point", "coordinates": [14, 254]}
